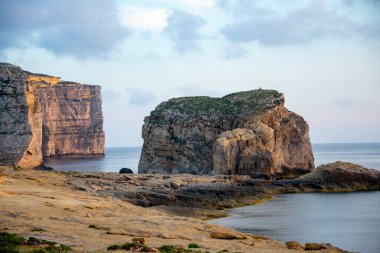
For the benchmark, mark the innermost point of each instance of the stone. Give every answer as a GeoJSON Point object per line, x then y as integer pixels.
{"type": "Point", "coordinates": [42, 116]}
{"type": "Point", "coordinates": [336, 177]}
{"type": "Point", "coordinates": [294, 245]}
{"type": "Point", "coordinates": [126, 171]}
{"type": "Point", "coordinates": [226, 235]}
{"type": "Point", "coordinates": [140, 240]}
{"type": "Point", "coordinates": [44, 168]}
{"type": "Point", "coordinates": [247, 133]}
{"type": "Point", "coordinates": [314, 246]}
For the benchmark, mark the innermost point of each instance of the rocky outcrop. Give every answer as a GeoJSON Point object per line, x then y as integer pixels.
{"type": "Point", "coordinates": [44, 116]}
{"type": "Point", "coordinates": [248, 133]}
{"type": "Point", "coordinates": [221, 191]}
{"type": "Point", "coordinates": [335, 177]}
{"type": "Point", "coordinates": [180, 190]}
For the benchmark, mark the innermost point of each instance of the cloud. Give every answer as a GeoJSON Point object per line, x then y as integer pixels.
{"type": "Point", "coordinates": [153, 20]}
{"type": "Point", "coordinates": [79, 28]}
{"type": "Point", "coordinates": [140, 96]}
{"type": "Point", "coordinates": [199, 3]}
{"type": "Point", "coordinates": [243, 8]}
{"type": "Point", "coordinates": [300, 26]}
{"type": "Point", "coordinates": [183, 29]}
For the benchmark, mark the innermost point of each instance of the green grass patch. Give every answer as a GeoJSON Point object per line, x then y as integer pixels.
{"type": "Point", "coordinates": [193, 246]}
{"type": "Point", "coordinates": [13, 243]}
{"type": "Point", "coordinates": [114, 247]}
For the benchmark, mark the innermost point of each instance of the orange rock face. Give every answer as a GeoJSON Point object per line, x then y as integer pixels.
{"type": "Point", "coordinates": [43, 116]}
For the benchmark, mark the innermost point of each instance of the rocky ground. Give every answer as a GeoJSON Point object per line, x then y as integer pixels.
{"type": "Point", "coordinates": [91, 211]}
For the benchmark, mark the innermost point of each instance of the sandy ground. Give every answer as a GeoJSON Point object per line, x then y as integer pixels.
{"type": "Point", "coordinates": [31, 200]}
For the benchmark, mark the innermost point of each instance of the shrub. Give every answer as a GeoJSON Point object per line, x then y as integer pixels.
{"type": "Point", "coordinates": [129, 245]}
{"type": "Point", "coordinates": [193, 246]}
{"type": "Point", "coordinates": [114, 247]}
{"type": "Point", "coordinates": [168, 249]}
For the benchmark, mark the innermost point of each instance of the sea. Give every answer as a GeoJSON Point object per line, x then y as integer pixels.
{"type": "Point", "coordinates": [347, 220]}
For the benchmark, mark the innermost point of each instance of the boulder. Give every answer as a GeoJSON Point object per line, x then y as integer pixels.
{"type": "Point", "coordinates": [227, 235]}
{"type": "Point", "coordinates": [314, 246]}
{"type": "Point", "coordinates": [247, 133]}
{"type": "Point", "coordinates": [140, 240]}
{"type": "Point", "coordinates": [43, 167]}
{"type": "Point", "coordinates": [126, 171]}
{"type": "Point", "coordinates": [294, 245]}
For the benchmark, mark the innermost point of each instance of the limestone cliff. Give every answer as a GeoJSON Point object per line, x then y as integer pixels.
{"type": "Point", "coordinates": [44, 116]}
{"type": "Point", "coordinates": [248, 133]}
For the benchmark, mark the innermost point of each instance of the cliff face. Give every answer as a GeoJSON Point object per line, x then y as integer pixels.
{"type": "Point", "coordinates": [43, 116]}
{"type": "Point", "coordinates": [248, 133]}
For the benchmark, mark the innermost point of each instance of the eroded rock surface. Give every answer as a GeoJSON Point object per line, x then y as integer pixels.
{"type": "Point", "coordinates": [44, 116]}
{"type": "Point", "coordinates": [180, 190]}
{"type": "Point", "coordinates": [248, 133]}
{"type": "Point", "coordinates": [336, 177]}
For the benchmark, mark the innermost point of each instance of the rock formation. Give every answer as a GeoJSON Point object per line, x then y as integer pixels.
{"type": "Point", "coordinates": [248, 133]}
{"type": "Point", "coordinates": [43, 116]}
{"type": "Point", "coordinates": [335, 177]}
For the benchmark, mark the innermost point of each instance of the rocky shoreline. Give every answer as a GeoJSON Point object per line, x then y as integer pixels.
{"type": "Point", "coordinates": [208, 196]}
{"type": "Point", "coordinates": [164, 209]}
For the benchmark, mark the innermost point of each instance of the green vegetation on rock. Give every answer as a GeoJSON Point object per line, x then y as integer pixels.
{"type": "Point", "coordinates": [193, 246]}
{"type": "Point", "coordinates": [13, 243]}
{"type": "Point", "coordinates": [245, 102]}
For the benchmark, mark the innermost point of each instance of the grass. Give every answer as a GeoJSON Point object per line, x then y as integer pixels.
{"type": "Point", "coordinates": [162, 249]}
{"type": "Point", "coordinates": [236, 103]}
{"type": "Point", "coordinates": [16, 168]}
{"type": "Point", "coordinates": [114, 247]}
{"type": "Point", "coordinates": [193, 246]}
{"type": "Point", "coordinates": [13, 243]}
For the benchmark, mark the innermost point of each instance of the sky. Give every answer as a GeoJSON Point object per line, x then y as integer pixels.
{"type": "Point", "coordinates": [324, 55]}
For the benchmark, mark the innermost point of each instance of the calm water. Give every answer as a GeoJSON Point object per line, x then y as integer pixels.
{"type": "Point", "coordinates": [347, 220]}
{"type": "Point", "coordinates": [367, 154]}
{"type": "Point", "coordinates": [115, 159]}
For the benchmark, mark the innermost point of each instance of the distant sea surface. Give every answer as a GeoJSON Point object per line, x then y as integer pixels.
{"type": "Point", "coordinates": [113, 161]}
{"type": "Point", "coordinates": [366, 154]}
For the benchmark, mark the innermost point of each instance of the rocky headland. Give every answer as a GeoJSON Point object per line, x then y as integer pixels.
{"type": "Point", "coordinates": [43, 116]}
{"type": "Point", "coordinates": [246, 133]}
